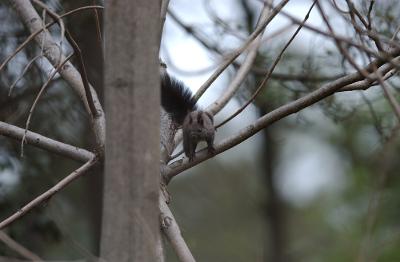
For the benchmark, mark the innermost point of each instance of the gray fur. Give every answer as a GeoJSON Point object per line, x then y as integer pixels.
{"type": "Point", "coordinates": [198, 126]}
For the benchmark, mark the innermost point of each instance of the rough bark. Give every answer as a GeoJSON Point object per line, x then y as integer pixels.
{"type": "Point", "coordinates": [130, 230]}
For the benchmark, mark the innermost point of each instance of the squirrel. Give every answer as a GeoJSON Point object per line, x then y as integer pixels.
{"type": "Point", "coordinates": [197, 125]}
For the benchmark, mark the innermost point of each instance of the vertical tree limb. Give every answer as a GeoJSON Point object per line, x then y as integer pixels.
{"type": "Point", "coordinates": [131, 230]}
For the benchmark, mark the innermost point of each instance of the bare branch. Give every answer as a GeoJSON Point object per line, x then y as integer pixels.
{"type": "Point", "coordinates": [340, 38]}
{"type": "Point", "coordinates": [173, 233]}
{"type": "Point", "coordinates": [273, 116]}
{"type": "Point", "coordinates": [268, 76]}
{"type": "Point", "coordinates": [34, 34]}
{"type": "Point", "coordinates": [240, 50]}
{"type": "Point", "coordinates": [386, 70]}
{"type": "Point", "coordinates": [243, 71]}
{"type": "Point", "coordinates": [38, 97]}
{"type": "Point", "coordinates": [33, 21]}
{"type": "Point", "coordinates": [23, 73]}
{"type": "Point", "coordinates": [371, 4]}
{"type": "Point", "coordinates": [17, 247]}
{"type": "Point", "coordinates": [342, 50]}
{"type": "Point", "coordinates": [260, 28]}
{"type": "Point", "coordinates": [389, 96]}
{"type": "Point", "coordinates": [49, 193]}
{"type": "Point", "coordinates": [45, 143]}
{"type": "Point", "coordinates": [98, 29]}
{"type": "Point", "coordinates": [77, 50]}
{"type": "Point", "coordinates": [257, 70]}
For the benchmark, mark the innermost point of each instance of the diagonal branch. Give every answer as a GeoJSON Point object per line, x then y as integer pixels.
{"type": "Point", "coordinates": [272, 68]}
{"type": "Point", "coordinates": [257, 70]}
{"type": "Point", "coordinates": [28, 121]}
{"type": "Point", "coordinates": [78, 52]}
{"type": "Point", "coordinates": [173, 233]}
{"type": "Point", "coordinates": [274, 116]}
{"type": "Point", "coordinates": [49, 193]}
{"type": "Point", "coordinates": [34, 34]}
{"type": "Point", "coordinates": [245, 67]}
{"type": "Point", "coordinates": [17, 247]}
{"type": "Point", "coordinates": [32, 20]}
{"type": "Point", "coordinates": [45, 143]}
{"type": "Point", "coordinates": [243, 70]}
{"type": "Point", "coordinates": [240, 50]}
{"type": "Point", "coordinates": [23, 73]}
{"type": "Point", "coordinates": [389, 96]}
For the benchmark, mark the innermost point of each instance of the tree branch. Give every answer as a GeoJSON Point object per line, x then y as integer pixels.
{"type": "Point", "coordinates": [34, 34]}
{"type": "Point", "coordinates": [52, 52]}
{"type": "Point", "coordinates": [78, 52]}
{"type": "Point", "coordinates": [270, 118]}
{"type": "Point", "coordinates": [49, 193]}
{"type": "Point", "coordinates": [269, 73]}
{"type": "Point", "coordinates": [173, 233]}
{"type": "Point", "coordinates": [243, 70]}
{"type": "Point", "coordinates": [45, 143]}
{"type": "Point", "coordinates": [240, 50]}
{"type": "Point", "coordinates": [17, 247]}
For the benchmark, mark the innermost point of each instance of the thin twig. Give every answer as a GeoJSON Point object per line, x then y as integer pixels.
{"type": "Point", "coordinates": [268, 76]}
{"type": "Point", "coordinates": [342, 50]}
{"type": "Point", "coordinates": [273, 116]}
{"type": "Point", "coordinates": [34, 34]}
{"type": "Point", "coordinates": [395, 34]}
{"type": "Point", "coordinates": [374, 115]}
{"type": "Point", "coordinates": [28, 121]}
{"type": "Point", "coordinates": [240, 50]}
{"type": "Point", "coordinates": [387, 70]}
{"type": "Point", "coordinates": [371, 4]}
{"type": "Point", "coordinates": [353, 10]}
{"type": "Point", "coordinates": [71, 75]}
{"type": "Point", "coordinates": [243, 71]}
{"type": "Point", "coordinates": [98, 28]}
{"type": "Point", "coordinates": [338, 8]}
{"type": "Point", "coordinates": [81, 64]}
{"type": "Point", "coordinates": [389, 96]}
{"type": "Point", "coordinates": [49, 193]}
{"type": "Point", "coordinates": [257, 70]}
{"type": "Point", "coordinates": [60, 22]}
{"type": "Point", "coordinates": [43, 142]}
{"type": "Point", "coordinates": [17, 247]}
{"type": "Point", "coordinates": [372, 35]}
{"type": "Point", "coordinates": [173, 233]}
{"type": "Point", "coordinates": [82, 70]}
{"type": "Point", "coordinates": [23, 73]}
{"type": "Point", "coordinates": [340, 38]}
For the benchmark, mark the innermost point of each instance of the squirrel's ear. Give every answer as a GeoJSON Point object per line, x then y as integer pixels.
{"type": "Point", "coordinates": [210, 116]}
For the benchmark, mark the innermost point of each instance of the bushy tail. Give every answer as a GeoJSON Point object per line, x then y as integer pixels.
{"type": "Point", "coordinates": [176, 98]}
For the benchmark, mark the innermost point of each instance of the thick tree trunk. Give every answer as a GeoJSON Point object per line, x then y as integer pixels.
{"type": "Point", "coordinates": [130, 230]}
